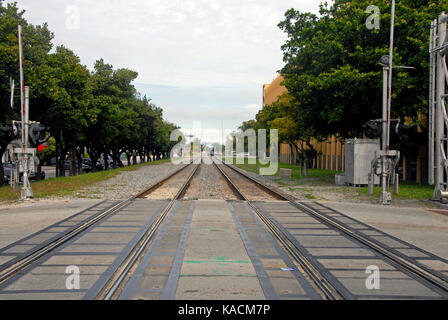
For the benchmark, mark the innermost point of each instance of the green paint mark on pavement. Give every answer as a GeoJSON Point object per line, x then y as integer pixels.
{"type": "Point", "coordinates": [246, 275]}
{"type": "Point", "coordinates": [220, 260]}
{"type": "Point", "coordinates": [222, 273]}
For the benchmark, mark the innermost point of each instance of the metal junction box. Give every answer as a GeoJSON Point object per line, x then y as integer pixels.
{"type": "Point", "coordinates": [359, 154]}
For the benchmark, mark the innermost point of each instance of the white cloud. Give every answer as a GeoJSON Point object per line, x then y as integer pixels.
{"type": "Point", "coordinates": [189, 44]}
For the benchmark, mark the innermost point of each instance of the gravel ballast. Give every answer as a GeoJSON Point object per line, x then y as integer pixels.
{"type": "Point", "coordinates": [208, 183]}
{"type": "Point", "coordinates": [128, 183]}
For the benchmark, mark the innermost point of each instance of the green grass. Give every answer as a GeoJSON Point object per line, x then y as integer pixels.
{"type": "Point", "coordinates": [407, 191]}
{"type": "Point", "coordinates": [321, 177]}
{"type": "Point", "coordinates": [65, 186]}
{"type": "Point", "coordinates": [301, 189]}
{"type": "Point", "coordinates": [316, 175]}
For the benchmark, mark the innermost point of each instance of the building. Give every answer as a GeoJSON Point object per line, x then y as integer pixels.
{"type": "Point", "coordinates": [272, 91]}
{"type": "Point", "coordinates": [331, 151]}
{"type": "Point", "coordinates": [413, 166]}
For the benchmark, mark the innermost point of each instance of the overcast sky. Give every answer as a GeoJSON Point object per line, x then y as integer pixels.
{"type": "Point", "coordinates": [200, 60]}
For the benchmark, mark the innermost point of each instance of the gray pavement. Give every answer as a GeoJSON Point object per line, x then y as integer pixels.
{"type": "Point", "coordinates": [23, 219]}
{"type": "Point", "coordinates": [418, 226]}
{"type": "Point", "coordinates": [216, 264]}
{"type": "Point", "coordinates": [213, 249]}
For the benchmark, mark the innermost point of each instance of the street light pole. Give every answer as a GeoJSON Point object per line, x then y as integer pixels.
{"type": "Point", "coordinates": [389, 91]}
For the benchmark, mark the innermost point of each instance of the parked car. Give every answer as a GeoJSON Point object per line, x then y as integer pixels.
{"type": "Point", "coordinates": [100, 163]}
{"type": "Point", "coordinates": [8, 170]}
{"type": "Point", "coordinates": [67, 164]}
{"type": "Point", "coordinates": [86, 164]}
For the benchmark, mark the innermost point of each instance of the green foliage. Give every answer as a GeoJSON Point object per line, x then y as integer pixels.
{"type": "Point", "coordinates": [100, 110]}
{"type": "Point", "coordinates": [331, 63]}
{"type": "Point", "coordinates": [49, 151]}
{"type": "Point", "coordinates": [36, 46]}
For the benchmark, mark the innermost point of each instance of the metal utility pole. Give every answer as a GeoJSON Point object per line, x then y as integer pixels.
{"type": "Point", "coordinates": [389, 85]}
{"type": "Point", "coordinates": [432, 101]}
{"type": "Point", "coordinates": [25, 154]}
{"type": "Point", "coordinates": [439, 51]}
{"type": "Point", "coordinates": [385, 103]}
{"type": "Point", "coordinates": [386, 197]}
{"type": "Point", "coordinates": [22, 82]}
{"type": "Point", "coordinates": [27, 192]}
{"type": "Point", "coordinates": [386, 159]}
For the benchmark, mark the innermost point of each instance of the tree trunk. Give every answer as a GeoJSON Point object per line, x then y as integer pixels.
{"type": "Point", "coordinates": [106, 160]}
{"type": "Point", "coordinates": [62, 153]}
{"type": "Point", "coordinates": [302, 158]}
{"type": "Point", "coordinates": [2, 174]}
{"type": "Point", "coordinates": [94, 160]}
{"type": "Point", "coordinates": [79, 156]}
{"type": "Point", "coordinates": [293, 156]}
{"type": "Point", "coordinates": [39, 172]}
{"type": "Point", "coordinates": [62, 164]}
{"type": "Point", "coordinates": [57, 157]}
{"type": "Point", "coordinates": [116, 158]}
{"type": "Point", "coordinates": [72, 161]}
{"type": "Point", "coordinates": [305, 157]}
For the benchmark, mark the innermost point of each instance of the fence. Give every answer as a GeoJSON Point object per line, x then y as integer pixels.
{"type": "Point", "coordinates": [331, 154]}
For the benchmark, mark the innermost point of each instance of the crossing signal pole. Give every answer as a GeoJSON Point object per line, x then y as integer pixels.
{"type": "Point", "coordinates": [24, 154]}
{"type": "Point", "coordinates": [385, 159]}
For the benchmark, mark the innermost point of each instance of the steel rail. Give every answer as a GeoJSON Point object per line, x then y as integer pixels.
{"type": "Point", "coordinates": [404, 263]}
{"type": "Point", "coordinates": [113, 284]}
{"type": "Point", "coordinates": [21, 264]}
{"type": "Point", "coordinates": [325, 285]}
{"type": "Point", "coordinates": [420, 271]}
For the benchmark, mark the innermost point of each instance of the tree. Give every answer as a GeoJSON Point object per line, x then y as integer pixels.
{"type": "Point", "coordinates": [100, 111]}
{"type": "Point", "coordinates": [62, 101]}
{"type": "Point", "coordinates": [36, 45]}
{"type": "Point", "coordinates": [331, 63]}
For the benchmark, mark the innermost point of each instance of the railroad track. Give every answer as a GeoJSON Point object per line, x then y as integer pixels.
{"type": "Point", "coordinates": [19, 264]}
{"type": "Point", "coordinates": [117, 281]}
{"type": "Point", "coordinates": [258, 198]}
{"type": "Point", "coordinates": [330, 288]}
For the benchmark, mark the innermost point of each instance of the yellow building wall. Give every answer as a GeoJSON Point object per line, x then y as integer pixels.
{"type": "Point", "coordinates": [273, 91]}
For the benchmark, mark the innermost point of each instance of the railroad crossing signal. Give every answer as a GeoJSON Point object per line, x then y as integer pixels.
{"type": "Point", "coordinates": [22, 154]}
{"type": "Point", "coordinates": [37, 133]}
{"type": "Point", "coordinates": [27, 134]}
